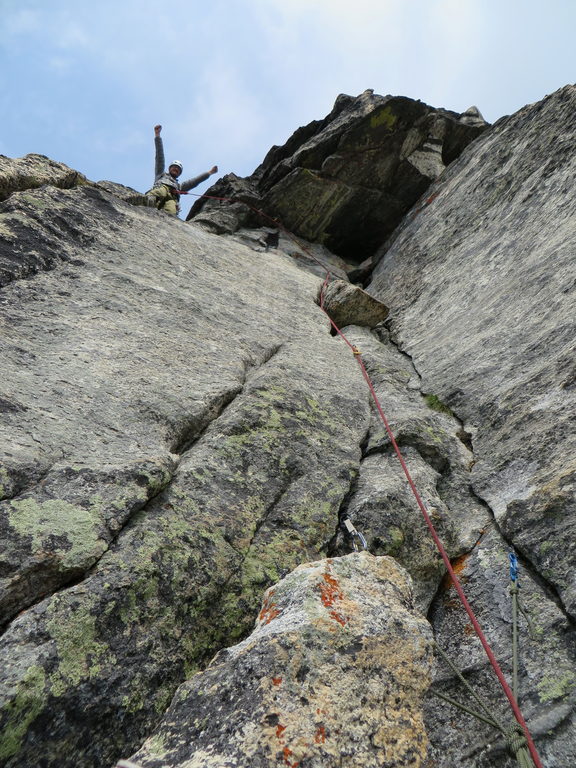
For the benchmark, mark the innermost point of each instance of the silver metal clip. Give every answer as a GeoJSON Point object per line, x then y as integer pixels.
{"type": "Point", "coordinates": [354, 534]}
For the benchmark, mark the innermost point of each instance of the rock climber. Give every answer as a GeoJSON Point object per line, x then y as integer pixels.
{"type": "Point", "coordinates": [164, 195]}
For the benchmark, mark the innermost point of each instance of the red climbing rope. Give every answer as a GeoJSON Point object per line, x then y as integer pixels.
{"type": "Point", "coordinates": [463, 599]}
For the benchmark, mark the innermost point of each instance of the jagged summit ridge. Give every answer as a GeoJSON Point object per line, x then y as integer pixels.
{"type": "Point", "coordinates": [347, 180]}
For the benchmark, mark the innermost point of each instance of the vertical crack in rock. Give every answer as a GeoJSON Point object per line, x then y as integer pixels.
{"type": "Point", "coordinates": [44, 559]}
{"type": "Point", "coordinates": [431, 400]}
{"type": "Point", "coordinates": [142, 620]}
{"type": "Point", "coordinates": [42, 578]}
{"type": "Point", "coordinates": [546, 659]}
{"type": "Point", "coordinates": [381, 504]}
{"type": "Point", "coordinates": [547, 683]}
{"type": "Point", "coordinates": [191, 431]}
{"type": "Point", "coordinates": [339, 543]}
{"type": "Point", "coordinates": [428, 453]}
{"type": "Point", "coordinates": [547, 586]}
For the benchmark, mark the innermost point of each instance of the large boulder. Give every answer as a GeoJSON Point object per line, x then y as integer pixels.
{"type": "Point", "coordinates": [341, 638]}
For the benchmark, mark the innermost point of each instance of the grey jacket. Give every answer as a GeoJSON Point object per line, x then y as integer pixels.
{"type": "Point", "coordinates": [163, 177]}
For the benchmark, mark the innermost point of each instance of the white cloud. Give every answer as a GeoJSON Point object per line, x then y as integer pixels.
{"type": "Point", "coordinates": [60, 64]}
{"type": "Point", "coordinates": [21, 22]}
{"type": "Point", "coordinates": [68, 33]}
{"type": "Point", "coordinates": [223, 118]}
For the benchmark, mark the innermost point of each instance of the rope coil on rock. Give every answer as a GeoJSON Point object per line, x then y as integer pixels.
{"type": "Point", "coordinates": [453, 577]}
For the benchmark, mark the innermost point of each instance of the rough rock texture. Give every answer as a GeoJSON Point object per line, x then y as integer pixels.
{"type": "Point", "coordinates": [33, 171]}
{"type": "Point", "coordinates": [347, 180]}
{"type": "Point", "coordinates": [483, 301]}
{"type": "Point", "coordinates": [311, 257]}
{"type": "Point", "coordinates": [173, 442]}
{"type": "Point", "coordinates": [346, 304]}
{"type": "Point", "coordinates": [381, 504]}
{"type": "Point", "coordinates": [547, 689]}
{"type": "Point", "coordinates": [179, 430]}
{"type": "Point", "coordinates": [332, 675]}
{"type": "Point", "coordinates": [481, 282]}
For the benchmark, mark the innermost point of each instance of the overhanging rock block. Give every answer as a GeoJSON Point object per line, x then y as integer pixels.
{"type": "Point", "coordinates": [348, 304]}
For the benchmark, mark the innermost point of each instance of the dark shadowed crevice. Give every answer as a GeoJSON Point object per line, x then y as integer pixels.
{"type": "Point", "coordinates": [526, 563]}
{"type": "Point", "coordinates": [431, 400]}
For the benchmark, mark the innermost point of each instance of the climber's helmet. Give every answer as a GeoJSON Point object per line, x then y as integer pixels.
{"type": "Point", "coordinates": [175, 168]}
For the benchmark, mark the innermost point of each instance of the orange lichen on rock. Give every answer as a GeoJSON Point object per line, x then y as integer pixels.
{"type": "Point", "coordinates": [458, 567]}
{"type": "Point", "coordinates": [339, 618]}
{"type": "Point", "coordinates": [330, 591]}
{"type": "Point", "coordinates": [287, 754]}
{"type": "Point", "coordinates": [320, 736]}
{"type": "Point", "coordinates": [269, 610]}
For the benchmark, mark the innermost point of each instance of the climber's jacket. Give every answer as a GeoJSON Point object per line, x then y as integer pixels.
{"type": "Point", "coordinates": [163, 177]}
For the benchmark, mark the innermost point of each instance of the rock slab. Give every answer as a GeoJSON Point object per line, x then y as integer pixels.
{"type": "Point", "coordinates": [481, 283]}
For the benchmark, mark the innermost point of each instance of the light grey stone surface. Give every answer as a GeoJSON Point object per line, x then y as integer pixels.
{"type": "Point", "coordinates": [381, 504]}
{"type": "Point", "coordinates": [174, 440]}
{"type": "Point", "coordinates": [481, 283]}
{"type": "Point", "coordinates": [333, 674]}
{"type": "Point", "coordinates": [547, 678]}
{"type": "Point", "coordinates": [348, 304]}
{"type": "Point", "coordinates": [179, 430]}
{"type": "Point", "coordinates": [482, 291]}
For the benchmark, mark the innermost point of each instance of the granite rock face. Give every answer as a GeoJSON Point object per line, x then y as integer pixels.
{"type": "Point", "coordinates": [347, 180]}
{"type": "Point", "coordinates": [546, 680]}
{"type": "Point", "coordinates": [34, 171]}
{"type": "Point", "coordinates": [332, 675]}
{"type": "Point", "coordinates": [481, 283]}
{"type": "Point", "coordinates": [432, 440]}
{"type": "Point", "coordinates": [170, 449]}
{"type": "Point", "coordinates": [179, 431]}
{"type": "Point", "coordinates": [483, 299]}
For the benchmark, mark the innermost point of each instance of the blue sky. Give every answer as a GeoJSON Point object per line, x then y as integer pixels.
{"type": "Point", "coordinates": [84, 81]}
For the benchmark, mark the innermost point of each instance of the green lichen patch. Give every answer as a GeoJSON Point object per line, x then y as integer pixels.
{"type": "Point", "coordinates": [4, 483]}
{"type": "Point", "coordinates": [546, 546]}
{"type": "Point", "coordinates": [34, 201]}
{"type": "Point", "coordinates": [434, 402]}
{"type": "Point", "coordinates": [383, 117]}
{"type": "Point", "coordinates": [556, 686]}
{"type": "Point", "coordinates": [80, 652]}
{"type": "Point", "coordinates": [6, 233]}
{"type": "Point", "coordinates": [17, 716]}
{"type": "Point", "coordinates": [77, 527]}
{"type": "Point", "coordinates": [156, 747]}
{"type": "Point", "coordinates": [395, 541]}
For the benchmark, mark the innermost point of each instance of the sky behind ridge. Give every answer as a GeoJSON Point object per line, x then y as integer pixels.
{"type": "Point", "coordinates": [85, 81]}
